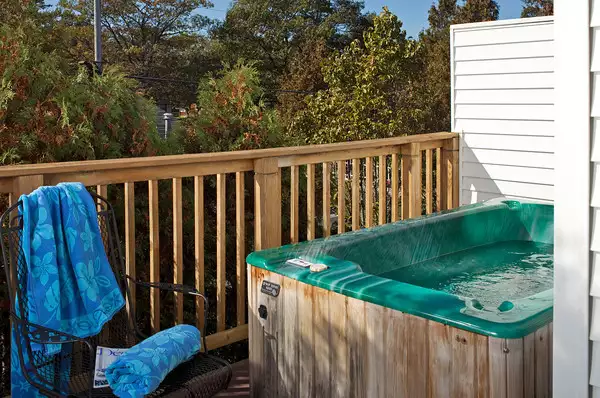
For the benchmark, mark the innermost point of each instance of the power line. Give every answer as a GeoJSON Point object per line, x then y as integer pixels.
{"type": "Point", "coordinates": [191, 82]}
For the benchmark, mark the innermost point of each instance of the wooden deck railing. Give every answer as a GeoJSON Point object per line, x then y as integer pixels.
{"type": "Point", "coordinates": [375, 181]}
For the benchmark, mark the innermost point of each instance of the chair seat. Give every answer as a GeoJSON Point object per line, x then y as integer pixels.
{"type": "Point", "coordinates": [203, 376]}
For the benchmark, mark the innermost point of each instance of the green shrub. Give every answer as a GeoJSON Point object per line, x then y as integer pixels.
{"type": "Point", "coordinates": [51, 112]}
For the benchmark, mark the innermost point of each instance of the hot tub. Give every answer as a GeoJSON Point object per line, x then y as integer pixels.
{"type": "Point", "coordinates": [456, 304]}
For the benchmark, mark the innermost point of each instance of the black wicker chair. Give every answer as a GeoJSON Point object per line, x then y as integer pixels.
{"type": "Point", "coordinates": [202, 376]}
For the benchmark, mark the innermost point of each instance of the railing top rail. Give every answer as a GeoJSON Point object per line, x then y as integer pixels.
{"type": "Point", "coordinates": [174, 160]}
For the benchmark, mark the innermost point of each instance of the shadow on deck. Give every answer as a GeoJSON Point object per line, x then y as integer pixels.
{"type": "Point", "coordinates": [240, 382]}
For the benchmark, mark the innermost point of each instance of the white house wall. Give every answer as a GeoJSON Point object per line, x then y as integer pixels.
{"type": "Point", "coordinates": [503, 104]}
{"type": "Point", "coordinates": [594, 61]}
{"type": "Point", "coordinates": [573, 231]}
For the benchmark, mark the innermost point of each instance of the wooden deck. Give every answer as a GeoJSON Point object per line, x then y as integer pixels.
{"type": "Point", "coordinates": [240, 382]}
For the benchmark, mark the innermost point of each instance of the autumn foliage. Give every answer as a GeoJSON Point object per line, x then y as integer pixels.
{"type": "Point", "coordinates": [230, 114]}
{"type": "Point", "coordinates": [51, 111]}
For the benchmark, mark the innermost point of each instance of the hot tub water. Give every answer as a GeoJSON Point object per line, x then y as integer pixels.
{"type": "Point", "coordinates": [491, 273]}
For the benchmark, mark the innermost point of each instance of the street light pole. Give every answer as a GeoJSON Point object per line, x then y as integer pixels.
{"type": "Point", "coordinates": [97, 36]}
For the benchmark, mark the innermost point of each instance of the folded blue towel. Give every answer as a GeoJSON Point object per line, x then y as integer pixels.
{"type": "Point", "coordinates": [141, 369]}
{"type": "Point", "coordinates": [70, 284]}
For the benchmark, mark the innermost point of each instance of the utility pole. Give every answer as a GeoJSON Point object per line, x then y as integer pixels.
{"type": "Point", "coordinates": [97, 36]}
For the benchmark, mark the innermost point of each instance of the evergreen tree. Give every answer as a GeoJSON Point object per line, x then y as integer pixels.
{"type": "Point", "coordinates": [434, 85]}
{"type": "Point", "coordinates": [272, 32]}
{"type": "Point", "coordinates": [369, 88]}
{"type": "Point", "coordinates": [537, 8]}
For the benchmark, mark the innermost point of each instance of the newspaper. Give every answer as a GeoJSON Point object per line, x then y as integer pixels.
{"type": "Point", "coordinates": [104, 357]}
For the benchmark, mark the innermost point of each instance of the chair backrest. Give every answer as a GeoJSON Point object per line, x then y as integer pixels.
{"type": "Point", "coordinates": [122, 329]}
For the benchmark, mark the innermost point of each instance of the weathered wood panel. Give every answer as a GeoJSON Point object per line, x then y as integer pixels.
{"type": "Point", "coordinates": [514, 368]}
{"type": "Point", "coordinates": [529, 366]}
{"type": "Point", "coordinates": [317, 343]}
{"type": "Point", "coordinates": [396, 364]}
{"type": "Point", "coordinates": [440, 359]}
{"type": "Point", "coordinates": [417, 339]}
{"type": "Point", "coordinates": [272, 331]}
{"type": "Point", "coordinates": [482, 363]}
{"type": "Point", "coordinates": [357, 345]}
{"type": "Point", "coordinates": [377, 341]}
{"type": "Point", "coordinates": [340, 377]}
{"type": "Point", "coordinates": [497, 368]}
{"type": "Point", "coordinates": [541, 363]}
{"type": "Point", "coordinates": [321, 343]}
{"type": "Point", "coordinates": [289, 346]}
{"type": "Point", "coordinates": [306, 341]}
{"type": "Point", "coordinates": [463, 363]}
{"type": "Point", "coordinates": [255, 336]}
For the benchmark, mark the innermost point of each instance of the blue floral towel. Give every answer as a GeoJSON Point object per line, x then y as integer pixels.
{"type": "Point", "coordinates": [141, 369]}
{"type": "Point", "coordinates": [70, 284]}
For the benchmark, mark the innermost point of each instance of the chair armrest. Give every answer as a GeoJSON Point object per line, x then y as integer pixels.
{"type": "Point", "coordinates": [171, 287]}
{"type": "Point", "coordinates": [176, 288]}
{"type": "Point", "coordinates": [43, 335]}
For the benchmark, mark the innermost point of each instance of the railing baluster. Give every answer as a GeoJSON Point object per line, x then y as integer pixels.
{"type": "Point", "coordinates": [178, 247]}
{"type": "Point", "coordinates": [310, 202]}
{"type": "Point", "coordinates": [294, 206]}
{"type": "Point", "coordinates": [404, 191]}
{"type": "Point", "coordinates": [240, 239]}
{"type": "Point", "coordinates": [130, 238]}
{"type": "Point", "coordinates": [154, 254]}
{"type": "Point", "coordinates": [221, 238]}
{"type": "Point", "coordinates": [395, 187]}
{"type": "Point", "coordinates": [438, 179]}
{"type": "Point", "coordinates": [341, 166]}
{"type": "Point", "coordinates": [429, 181]}
{"type": "Point", "coordinates": [326, 199]}
{"type": "Point", "coordinates": [102, 190]}
{"type": "Point", "coordinates": [355, 194]}
{"type": "Point", "coordinates": [199, 247]}
{"type": "Point", "coordinates": [382, 189]}
{"type": "Point", "coordinates": [369, 192]}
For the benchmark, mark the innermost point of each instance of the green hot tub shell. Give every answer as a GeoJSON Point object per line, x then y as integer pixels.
{"type": "Point", "coordinates": [358, 263]}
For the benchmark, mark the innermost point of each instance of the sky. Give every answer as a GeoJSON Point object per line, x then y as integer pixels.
{"type": "Point", "coordinates": [413, 13]}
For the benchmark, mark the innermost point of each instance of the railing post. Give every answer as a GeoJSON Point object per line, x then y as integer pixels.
{"type": "Point", "coordinates": [411, 180]}
{"type": "Point", "coordinates": [449, 175]}
{"type": "Point", "coordinates": [267, 203]}
{"type": "Point", "coordinates": [267, 233]}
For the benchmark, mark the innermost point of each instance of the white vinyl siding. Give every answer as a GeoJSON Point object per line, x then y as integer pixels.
{"type": "Point", "coordinates": [503, 106]}
{"type": "Point", "coordinates": [595, 196]}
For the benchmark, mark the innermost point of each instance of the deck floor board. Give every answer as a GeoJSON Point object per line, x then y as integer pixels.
{"type": "Point", "coordinates": [240, 382]}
